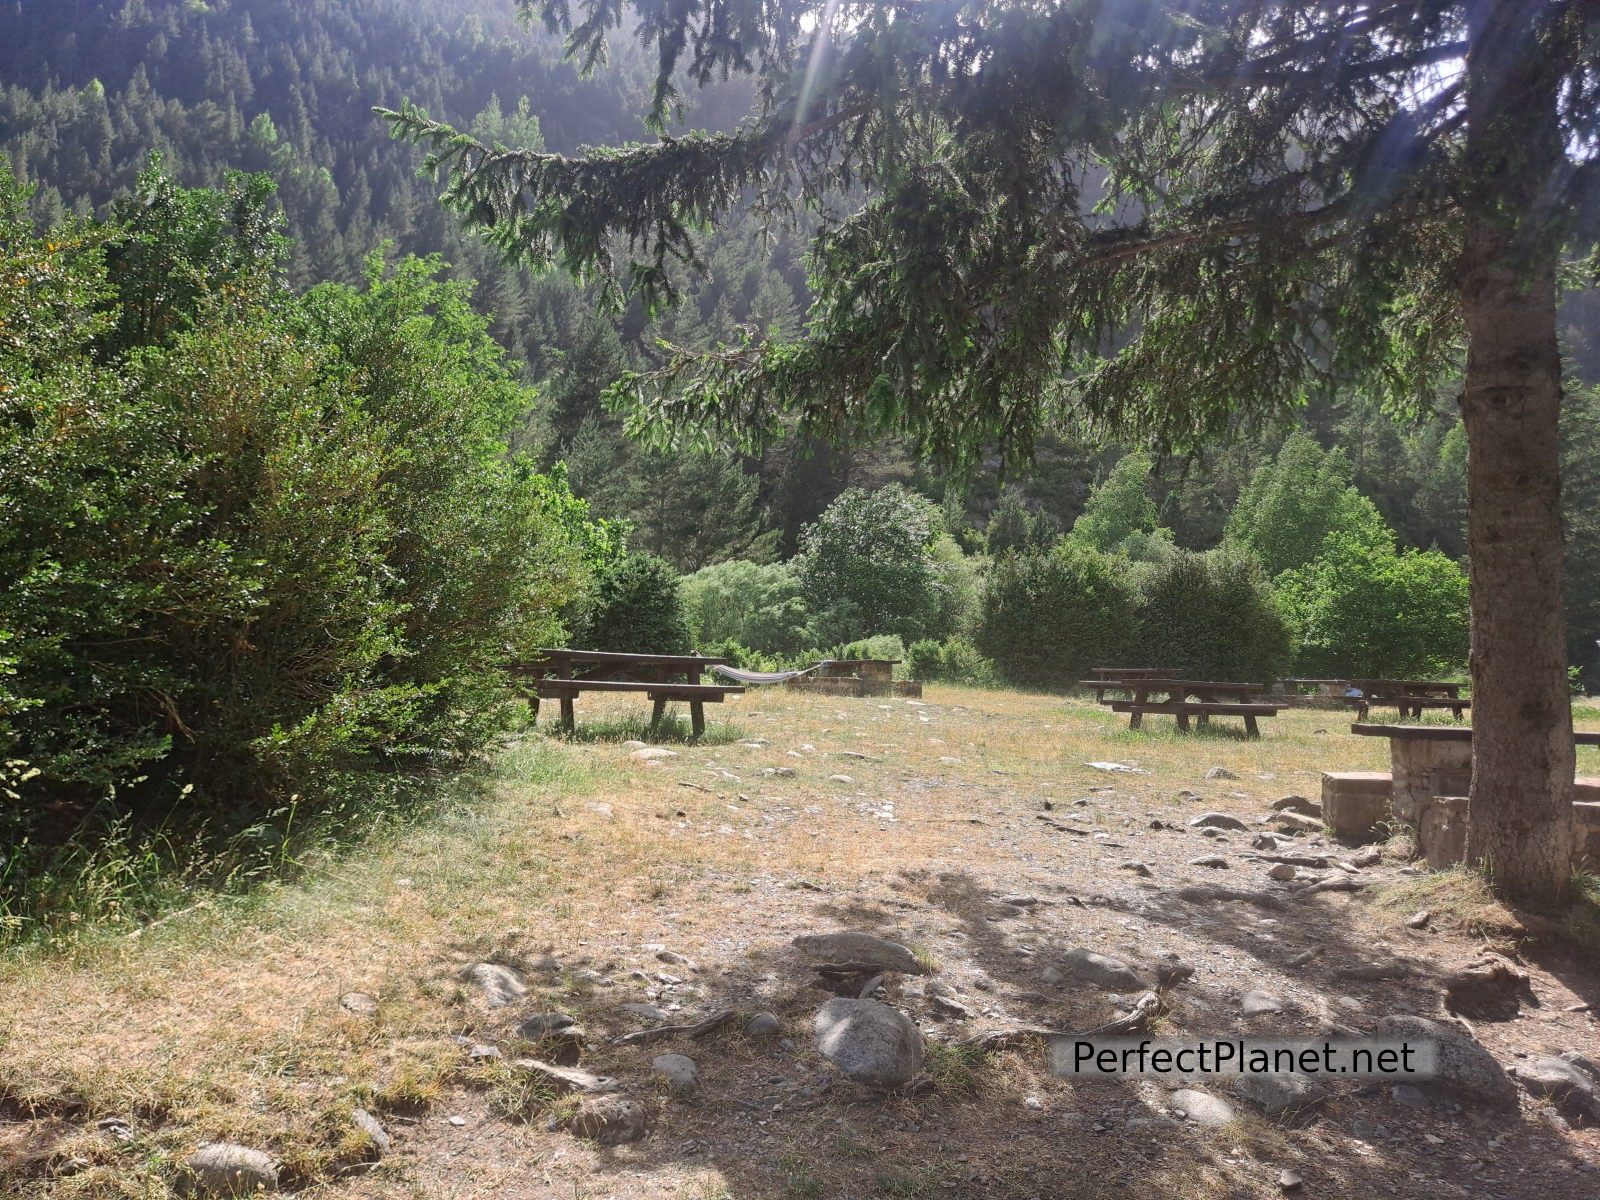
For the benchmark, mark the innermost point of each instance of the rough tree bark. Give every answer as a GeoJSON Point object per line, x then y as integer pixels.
{"type": "Point", "coordinates": [1520, 814]}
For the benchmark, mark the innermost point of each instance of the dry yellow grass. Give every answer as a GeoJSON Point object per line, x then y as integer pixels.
{"type": "Point", "coordinates": [225, 1024]}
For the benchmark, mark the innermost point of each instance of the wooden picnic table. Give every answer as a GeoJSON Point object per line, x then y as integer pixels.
{"type": "Point", "coordinates": [1135, 672]}
{"type": "Point", "coordinates": [1408, 696]}
{"type": "Point", "coordinates": [562, 674]}
{"type": "Point", "coordinates": [1175, 690]}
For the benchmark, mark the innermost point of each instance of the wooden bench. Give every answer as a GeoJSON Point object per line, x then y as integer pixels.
{"type": "Point", "coordinates": [697, 694]}
{"type": "Point", "coordinates": [1199, 709]}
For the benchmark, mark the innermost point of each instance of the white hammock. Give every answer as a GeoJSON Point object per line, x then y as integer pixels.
{"type": "Point", "coordinates": [736, 674]}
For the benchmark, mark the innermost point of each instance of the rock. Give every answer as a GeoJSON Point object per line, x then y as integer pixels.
{"type": "Point", "coordinates": [611, 1120]}
{"type": "Point", "coordinates": [1264, 841]}
{"type": "Point", "coordinates": [1276, 1095]}
{"type": "Point", "coordinates": [1219, 773]}
{"type": "Point", "coordinates": [849, 947]}
{"type": "Point", "coordinates": [1289, 1179]}
{"type": "Point", "coordinates": [780, 772]}
{"type": "Point", "coordinates": [840, 779]}
{"type": "Point", "coordinates": [1282, 872]}
{"type": "Point", "coordinates": [228, 1169]}
{"type": "Point", "coordinates": [482, 1051]}
{"type": "Point", "coordinates": [376, 1133]}
{"type": "Point", "coordinates": [1188, 794]}
{"type": "Point", "coordinates": [645, 1012]}
{"type": "Point", "coordinates": [869, 1042]}
{"type": "Point", "coordinates": [1419, 920]}
{"type": "Point", "coordinates": [1254, 1004]}
{"type": "Point", "coordinates": [1294, 822]}
{"type": "Point", "coordinates": [501, 985]}
{"type": "Point", "coordinates": [1104, 972]}
{"type": "Point", "coordinates": [1202, 1108]}
{"type": "Point", "coordinates": [652, 754]}
{"type": "Point", "coordinates": [948, 1006]}
{"type": "Point", "coordinates": [1119, 768]}
{"type": "Point", "coordinates": [1216, 820]}
{"type": "Point", "coordinates": [1370, 857]}
{"type": "Point", "coordinates": [359, 1003]}
{"type": "Point", "coordinates": [763, 1024]}
{"type": "Point", "coordinates": [1305, 956]}
{"type": "Point", "coordinates": [600, 809]}
{"type": "Point", "coordinates": [1172, 971]}
{"type": "Point", "coordinates": [1466, 1071]}
{"type": "Point", "coordinates": [1572, 1089]}
{"type": "Point", "coordinates": [679, 1070]}
{"type": "Point", "coordinates": [673, 958]}
{"type": "Point", "coordinates": [1214, 861]}
{"type": "Point", "coordinates": [1137, 868]}
{"type": "Point", "coordinates": [1299, 804]}
{"type": "Point", "coordinates": [566, 1079]}
{"type": "Point", "coordinates": [634, 744]}
{"type": "Point", "coordinates": [1214, 833]}
{"type": "Point", "coordinates": [1583, 1063]}
{"type": "Point", "coordinates": [542, 1025]}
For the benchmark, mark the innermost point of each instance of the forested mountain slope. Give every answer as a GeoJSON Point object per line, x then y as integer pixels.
{"type": "Point", "coordinates": [90, 88]}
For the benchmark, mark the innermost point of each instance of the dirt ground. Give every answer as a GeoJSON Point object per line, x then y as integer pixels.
{"type": "Point", "coordinates": [968, 826]}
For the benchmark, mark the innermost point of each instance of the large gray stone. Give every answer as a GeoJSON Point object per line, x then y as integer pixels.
{"type": "Point", "coordinates": [869, 1042]}
{"type": "Point", "coordinates": [1216, 820]}
{"type": "Point", "coordinates": [1101, 970]}
{"type": "Point", "coordinates": [228, 1169]}
{"type": "Point", "coordinates": [866, 948]}
{"type": "Point", "coordinates": [679, 1070]}
{"type": "Point", "coordinates": [1561, 1080]}
{"type": "Point", "coordinates": [566, 1079]}
{"type": "Point", "coordinates": [1467, 1072]}
{"type": "Point", "coordinates": [1276, 1095]}
{"type": "Point", "coordinates": [501, 985]}
{"type": "Point", "coordinates": [610, 1120]}
{"type": "Point", "coordinates": [1201, 1107]}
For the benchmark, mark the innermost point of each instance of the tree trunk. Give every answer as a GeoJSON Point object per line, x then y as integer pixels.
{"type": "Point", "coordinates": [1520, 815]}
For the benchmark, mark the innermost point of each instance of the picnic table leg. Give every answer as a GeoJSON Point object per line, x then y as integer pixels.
{"type": "Point", "coordinates": [1183, 722]}
{"type": "Point", "coordinates": [656, 713]}
{"type": "Point", "coordinates": [1135, 719]}
{"type": "Point", "coordinates": [1361, 711]}
{"type": "Point", "coordinates": [533, 706]}
{"type": "Point", "coordinates": [1202, 719]}
{"type": "Point", "coordinates": [1250, 726]}
{"type": "Point", "coordinates": [569, 718]}
{"type": "Point", "coordinates": [697, 717]}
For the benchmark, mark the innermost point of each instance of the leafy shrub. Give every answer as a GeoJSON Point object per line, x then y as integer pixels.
{"type": "Point", "coordinates": [1363, 609]}
{"type": "Point", "coordinates": [954, 660]}
{"type": "Point", "coordinates": [756, 605]}
{"type": "Point", "coordinates": [636, 608]}
{"type": "Point", "coordinates": [277, 546]}
{"type": "Point", "coordinates": [880, 646]}
{"type": "Point", "coordinates": [866, 565]}
{"type": "Point", "coordinates": [1048, 618]}
{"type": "Point", "coordinates": [1210, 616]}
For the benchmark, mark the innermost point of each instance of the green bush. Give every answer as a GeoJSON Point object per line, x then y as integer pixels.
{"type": "Point", "coordinates": [757, 605]}
{"type": "Point", "coordinates": [1362, 609]}
{"type": "Point", "coordinates": [954, 660]}
{"type": "Point", "coordinates": [1210, 616]}
{"type": "Point", "coordinates": [636, 608]}
{"type": "Point", "coordinates": [1048, 618]}
{"type": "Point", "coordinates": [275, 549]}
{"type": "Point", "coordinates": [867, 566]}
{"type": "Point", "coordinates": [880, 646]}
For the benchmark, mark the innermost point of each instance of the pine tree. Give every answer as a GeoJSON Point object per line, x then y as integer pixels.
{"type": "Point", "coordinates": [1204, 208]}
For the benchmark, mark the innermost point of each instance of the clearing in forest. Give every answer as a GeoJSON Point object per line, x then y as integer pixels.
{"type": "Point", "coordinates": [629, 891]}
